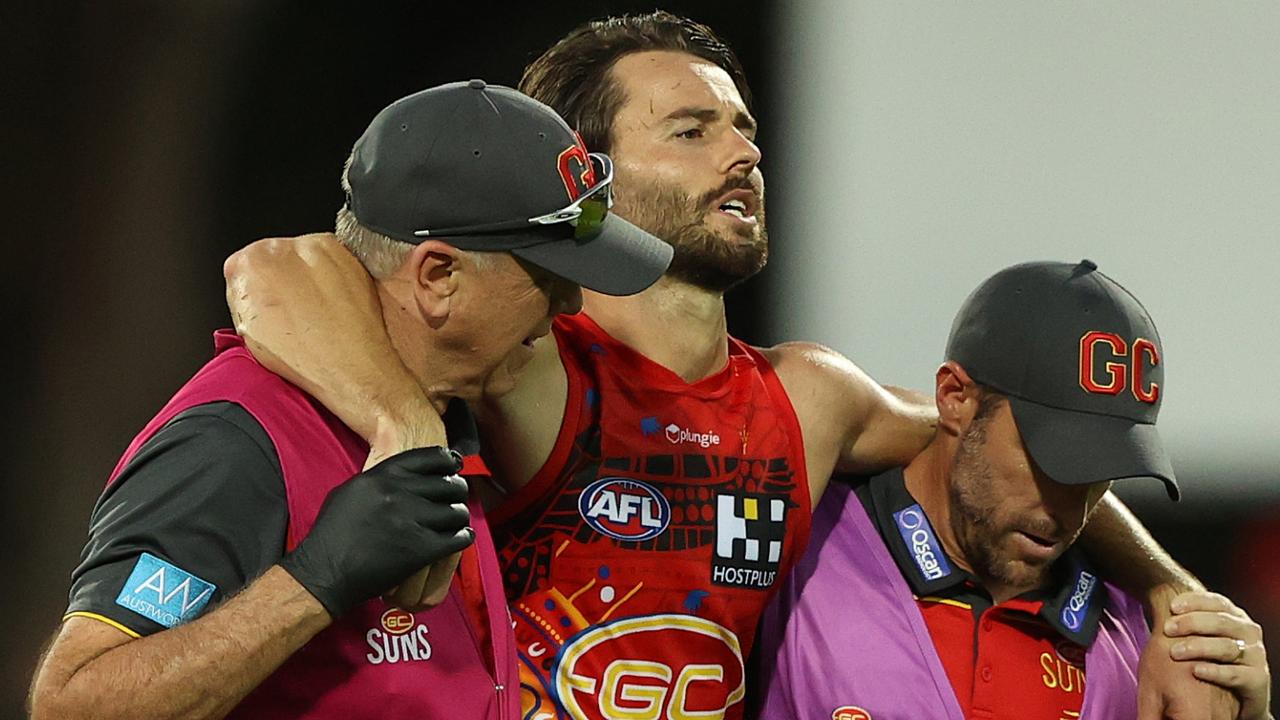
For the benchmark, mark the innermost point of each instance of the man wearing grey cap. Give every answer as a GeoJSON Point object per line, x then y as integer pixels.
{"type": "Point", "coordinates": [234, 564]}
{"type": "Point", "coordinates": [950, 588]}
{"type": "Point", "coordinates": [592, 447]}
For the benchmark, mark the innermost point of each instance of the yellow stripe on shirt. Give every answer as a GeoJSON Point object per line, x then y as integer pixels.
{"type": "Point", "coordinates": [101, 618]}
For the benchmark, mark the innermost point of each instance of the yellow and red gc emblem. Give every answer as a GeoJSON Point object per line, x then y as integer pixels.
{"type": "Point", "coordinates": [628, 669]}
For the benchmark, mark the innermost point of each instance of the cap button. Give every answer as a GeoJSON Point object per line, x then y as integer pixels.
{"type": "Point", "coordinates": [1087, 263]}
{"type": "Point", "coordinates": [476, 84]}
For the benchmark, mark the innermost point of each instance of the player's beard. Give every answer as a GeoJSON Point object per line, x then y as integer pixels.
{"type": "Point", "coordinates": [705, 257]}
{"type": "Point", "coordinates": [982, 533]}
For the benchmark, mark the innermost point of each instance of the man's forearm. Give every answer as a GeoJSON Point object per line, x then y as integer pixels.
{"type": "Point", "coordinates": [199, 670]}
{"type": "Point", "coordinates": [1128, 556]}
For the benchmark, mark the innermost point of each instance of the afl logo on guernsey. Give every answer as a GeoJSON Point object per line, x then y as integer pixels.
{"type": "Point", "coordinates": [624, 509]}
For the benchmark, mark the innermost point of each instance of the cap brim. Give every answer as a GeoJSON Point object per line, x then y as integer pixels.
{"type": "Point", "coordinates": [1077, 448]}
{"type": "Point", "coordinates": [621, 260]}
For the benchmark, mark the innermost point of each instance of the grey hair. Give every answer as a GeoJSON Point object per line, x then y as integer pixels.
{"type": "Point", "coordinates": [379, 254]}
{"type": "Point", "coordinates": [382, 255]}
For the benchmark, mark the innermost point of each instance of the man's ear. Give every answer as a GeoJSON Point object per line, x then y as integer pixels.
{"type": "Point", "coordinates": [434, 267]}
{"type": "Point", "coordinates": [957, 398]}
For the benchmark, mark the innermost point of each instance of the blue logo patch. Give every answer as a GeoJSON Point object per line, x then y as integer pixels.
{"type": "Point", "coordinates": [1077, 607]}
{"type": "Point", "coordinates": [693, 601]}
{"type": "Point", "coordinates": [160, 591]}
{"type": "Point", "coordinates": [649, 426]}
{"type": "Point", "coordinates": [918, 534]}
{"type": "Point", "coordinates": [624, 509]}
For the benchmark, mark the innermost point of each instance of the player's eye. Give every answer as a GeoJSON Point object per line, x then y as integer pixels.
{"type": "Point", "coordinates": [690, 134]}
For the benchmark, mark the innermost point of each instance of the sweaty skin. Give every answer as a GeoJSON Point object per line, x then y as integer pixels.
{"type": "Point", "coordinates": [682, 126]}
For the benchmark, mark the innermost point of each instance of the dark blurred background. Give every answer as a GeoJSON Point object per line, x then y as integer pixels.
{"type": "Point", "coordinates": [146, 141]}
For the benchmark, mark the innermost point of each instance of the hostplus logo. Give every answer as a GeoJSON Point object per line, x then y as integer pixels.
{"type": "Point", "coordinates": [750, 530]}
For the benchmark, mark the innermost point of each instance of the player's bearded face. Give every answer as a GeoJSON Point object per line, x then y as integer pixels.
{"type": "Point", "coordinates": [685, 158]}
{"type": "Point", "coordinates": [707, 253]}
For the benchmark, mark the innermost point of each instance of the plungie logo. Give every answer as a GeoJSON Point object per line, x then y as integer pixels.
{"type": "Point", "coordinates": [677, 435]}
{"type": "Point", "coordinates": [624, 509]}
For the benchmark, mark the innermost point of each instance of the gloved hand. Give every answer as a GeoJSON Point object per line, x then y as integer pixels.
{"type": "Point", "coordinates": [382, 525]}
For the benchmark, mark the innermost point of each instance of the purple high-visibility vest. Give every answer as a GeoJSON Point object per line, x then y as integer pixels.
{"type": "Point", "coordinates": [846, 632]}
{"type": "Point", "coordinates": [374, 662]}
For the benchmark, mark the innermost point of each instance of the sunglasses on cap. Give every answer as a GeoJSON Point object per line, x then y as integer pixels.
{"type": "Point", "coordinates": [586, 214]}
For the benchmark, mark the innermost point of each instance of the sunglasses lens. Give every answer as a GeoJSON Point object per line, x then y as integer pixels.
{"type": "Point", "coordinates": [591, 221]}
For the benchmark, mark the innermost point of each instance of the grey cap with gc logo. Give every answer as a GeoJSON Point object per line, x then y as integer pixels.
{"type": "Point", "coordinates": [1081, 363]}
{"type": "Point", "coordinates": [484, 167]}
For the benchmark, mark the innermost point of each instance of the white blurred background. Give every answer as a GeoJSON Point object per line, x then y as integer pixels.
{"type": "Point", "coordinates": [924, 145]}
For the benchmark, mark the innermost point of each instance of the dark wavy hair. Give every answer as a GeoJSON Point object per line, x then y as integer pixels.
{"type": "Point", "coordinates": [574, 78]}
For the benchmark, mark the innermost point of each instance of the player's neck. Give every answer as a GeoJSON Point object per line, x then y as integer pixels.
{"type": "Point", "coordinates": [677, 325]}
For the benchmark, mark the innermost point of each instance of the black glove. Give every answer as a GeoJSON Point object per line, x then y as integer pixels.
{"type": "Point", "coordinates": [381, 526]}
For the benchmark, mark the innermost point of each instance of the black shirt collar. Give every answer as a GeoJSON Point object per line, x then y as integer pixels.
{"type": "Point", "coordinates": [460, 427]}
{"type": "Point", "coordinates": [1072, 602]}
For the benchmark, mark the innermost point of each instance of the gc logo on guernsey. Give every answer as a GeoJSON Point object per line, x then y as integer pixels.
{"type": "Point", "coordinates": [918, 534]}
{"type": "Point", "coordinates": [627, 669]}
{"type": "Point", "coordinates": [398, 639]}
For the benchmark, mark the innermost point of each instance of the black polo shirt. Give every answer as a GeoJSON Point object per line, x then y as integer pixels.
{"type": "Point", "coordinates": [202, 499]}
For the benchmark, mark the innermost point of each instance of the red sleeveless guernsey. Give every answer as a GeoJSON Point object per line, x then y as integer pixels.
{"type": "Point", "coordinates": [374, 662]}
{"type": "Point", "coordinates": [639, 559]}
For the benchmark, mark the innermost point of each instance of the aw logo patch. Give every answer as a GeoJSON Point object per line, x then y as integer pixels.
{"type": "Point", "coordinates": [749, 533]}
{"type": "Point", "coordinates": [163, 592]}
{"type": "Point", "coordinates": [624, 509]}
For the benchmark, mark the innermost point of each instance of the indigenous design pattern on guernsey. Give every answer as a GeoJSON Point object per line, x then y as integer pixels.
{"type": "Point", "coordinates": [692, 484]}
{"type": "Point", "coordinates": [577, 586]}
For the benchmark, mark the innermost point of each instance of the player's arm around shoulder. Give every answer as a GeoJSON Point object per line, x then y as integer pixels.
{"type": "Point", "coordinates": [309, 312]}
{"type": "Point", "coordinates": [850, 422]}
{"type": "Point", "coordinates": [520, 427]}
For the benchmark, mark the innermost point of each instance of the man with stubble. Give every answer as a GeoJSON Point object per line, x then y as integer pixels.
{"type": "Point", "coordinates": [655, 474]}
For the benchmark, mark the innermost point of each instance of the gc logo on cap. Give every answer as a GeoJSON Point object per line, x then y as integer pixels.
{"type": "Point", "coordinates": [1081, 363]}
{"type": "Point", "coordinates": [484, 167]}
